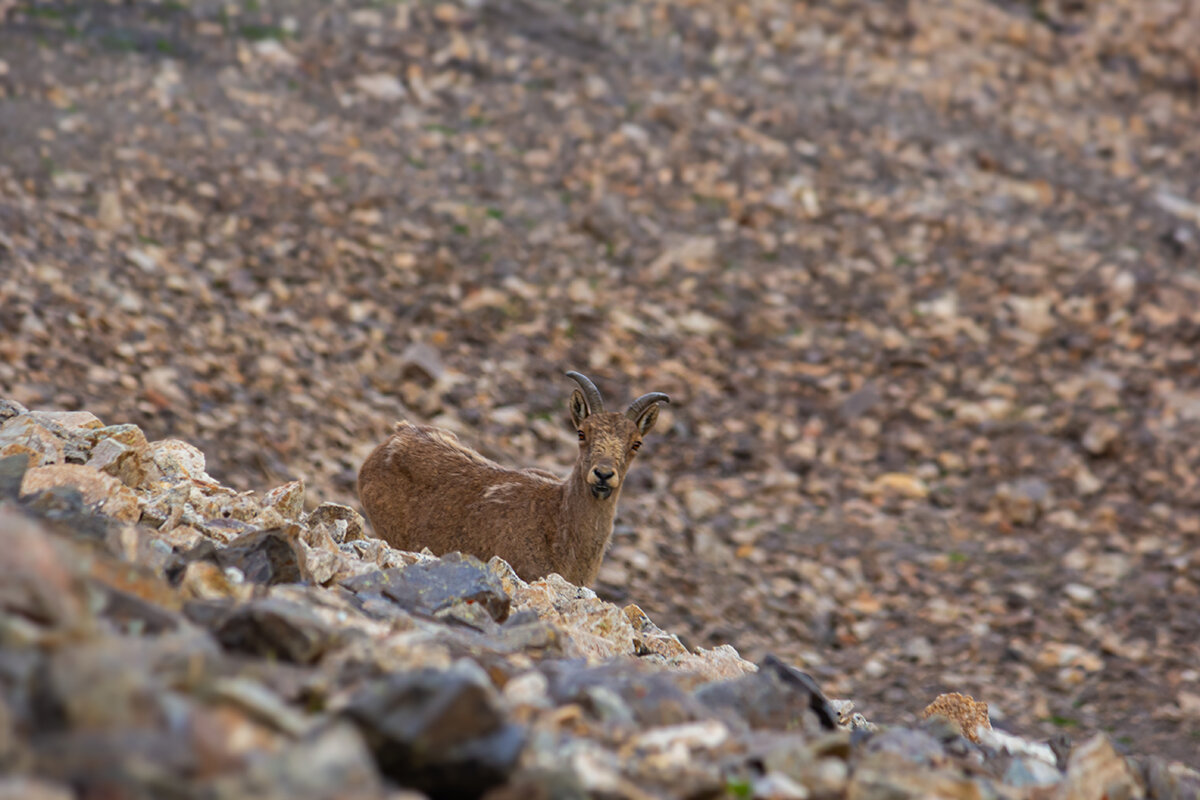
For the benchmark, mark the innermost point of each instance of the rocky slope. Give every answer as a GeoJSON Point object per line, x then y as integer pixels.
{"type": "Point", "coordinates": [920, 278]}
{"type": "Point", "coordinates": [162, 635]}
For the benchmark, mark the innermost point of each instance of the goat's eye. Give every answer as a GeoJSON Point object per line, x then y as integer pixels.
{"type": "Point", "coordinates": [581, 436]}
{"type": "Point", "coordinates": [635, 445]}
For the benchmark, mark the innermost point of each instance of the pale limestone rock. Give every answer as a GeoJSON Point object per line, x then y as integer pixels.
{"type": "Point", "coordinates": [649, 638]}
{"type": "Point", "coordinates": [177, 460]}
{"type": "Point", "coordinates": [598, 629]}
{"type": "Point", "coordinates": [103, 492]}
{"type": "Point", "coordinates": [716, 664]}
{"type": "Point", "coordinates": [287, 499]}
{"type": "Point", "coordinates": [381, 86]}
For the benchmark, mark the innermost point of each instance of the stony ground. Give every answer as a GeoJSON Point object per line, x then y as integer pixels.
{"type": "Point", "coordinates": [920, 278]}
{"type": "Point", "coordinates": [163, 635]}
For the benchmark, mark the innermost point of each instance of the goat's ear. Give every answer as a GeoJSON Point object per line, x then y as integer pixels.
{"type": "Point", "coordinates": [579, 408]}
{"type": "Point", "coordinates": [647, 419]}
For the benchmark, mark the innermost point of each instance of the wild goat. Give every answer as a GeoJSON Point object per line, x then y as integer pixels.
{"type": "Point", "coordinates": [422, 488]}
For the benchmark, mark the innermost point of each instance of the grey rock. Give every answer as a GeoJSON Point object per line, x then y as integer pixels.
{"type": "Point", "coordinates": [1025, 772]}
{"type": "Point", "coordinates": [264, 557]}
{"type": "Point", "coordinates": [914, 746]}
{"type": "Point", "coordinates": [12, 471]}
{"type": "Point", "coordinates": [275, 628]}
{"type": "Point", "coordinates": [652, 696]}
{"type": "Point", "coordinates": [429, 588]}
{"type": "Point", "coordinates": [438, 731]}
{"type": "Point", "coordinates": [858, 403]}
{"type": "Point", "coordinates": [11, 408]}
{"type": "Point", "coordinates": [777, 697]}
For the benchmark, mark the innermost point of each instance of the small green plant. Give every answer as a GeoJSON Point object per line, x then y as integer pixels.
{"type": "Point", "coordinates": [1061, 722]}
{"type": "Point", "coordinates": [257, 33]}
{"type": "Point", "coordinates": [739, 787]}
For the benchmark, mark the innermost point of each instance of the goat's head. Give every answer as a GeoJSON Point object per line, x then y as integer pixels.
{"type": "Point", "coordinates": [608, 441]}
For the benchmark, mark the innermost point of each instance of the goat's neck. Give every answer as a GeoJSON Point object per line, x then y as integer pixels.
{"type": "Point", "coordinates": [585, 529]}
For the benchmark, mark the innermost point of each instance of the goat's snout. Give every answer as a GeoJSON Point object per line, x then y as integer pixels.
{"type": "Point", "coordinates": [603, 481]}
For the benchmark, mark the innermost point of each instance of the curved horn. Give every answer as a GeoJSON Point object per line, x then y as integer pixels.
{"type": "Point", "coordinates": [590, 392]}
{"type": "Point", "coordinates": [638, 406]}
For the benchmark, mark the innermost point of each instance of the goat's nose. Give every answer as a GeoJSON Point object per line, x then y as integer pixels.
{"type": "Point", "coordinates": [603, 473]}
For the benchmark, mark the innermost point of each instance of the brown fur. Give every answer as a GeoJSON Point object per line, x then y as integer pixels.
{"type": "Point", "coordinates": [423, 488]}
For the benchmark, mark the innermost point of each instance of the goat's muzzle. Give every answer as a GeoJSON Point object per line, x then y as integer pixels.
{"type": "Point", "coordinates": [602, 481]}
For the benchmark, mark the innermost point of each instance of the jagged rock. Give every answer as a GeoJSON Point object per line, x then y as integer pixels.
{"type": "Point", "coordinates": [10, 409]}
{"type": "Point", "coordinates": [599, 630]}
{"type": "Point", "coordinates": [275, 628]}
{"type": "Point", "coordinates": [263, 557]}
{"type": "Point", "coordinates": [343, 523]}
{"type": "Point", "coordinates": [123, 452]}
{"type": "Point", "coordinates": [438, 586]}
{"type": "Point", "coordinates": [716, 664]}
{"type": "Point", "coordinates": [777, 697]}
{"type": "Point", "coordinates": [534, 637]}
{"type": "Point", "coordinates": [177, 460]}
{"type": "Point", "coordinates": [204, 580]}
{"type": "Point", "coordinates": [103, 492]}
{"type": "Point", "coordinates": [649, 638]}
{"type": "Point", "coordinates": [438, 731]}
{"type": "Point", "coordinates": [287, 499]}
{"type": "Point", "coordinates": [22, 434]}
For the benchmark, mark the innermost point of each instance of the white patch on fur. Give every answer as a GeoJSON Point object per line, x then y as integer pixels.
{"type": "Point", "coordinates": [492, 492]}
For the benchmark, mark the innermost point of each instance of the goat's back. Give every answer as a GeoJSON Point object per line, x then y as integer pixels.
{"type": "Point", "coordinates": [423, 488]}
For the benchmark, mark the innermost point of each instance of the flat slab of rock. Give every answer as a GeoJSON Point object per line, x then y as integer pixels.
{"type": "Point", "coordinates": [100, 491]}
{"type": "Point", "coordinates": [432, 587]}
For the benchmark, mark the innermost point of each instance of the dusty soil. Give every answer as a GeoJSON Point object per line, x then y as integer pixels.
{"type": "Point", "coordinates": [920, 278]}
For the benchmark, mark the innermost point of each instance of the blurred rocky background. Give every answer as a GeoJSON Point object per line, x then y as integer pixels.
{"type": "Point", "coordinates": [920, 278]}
